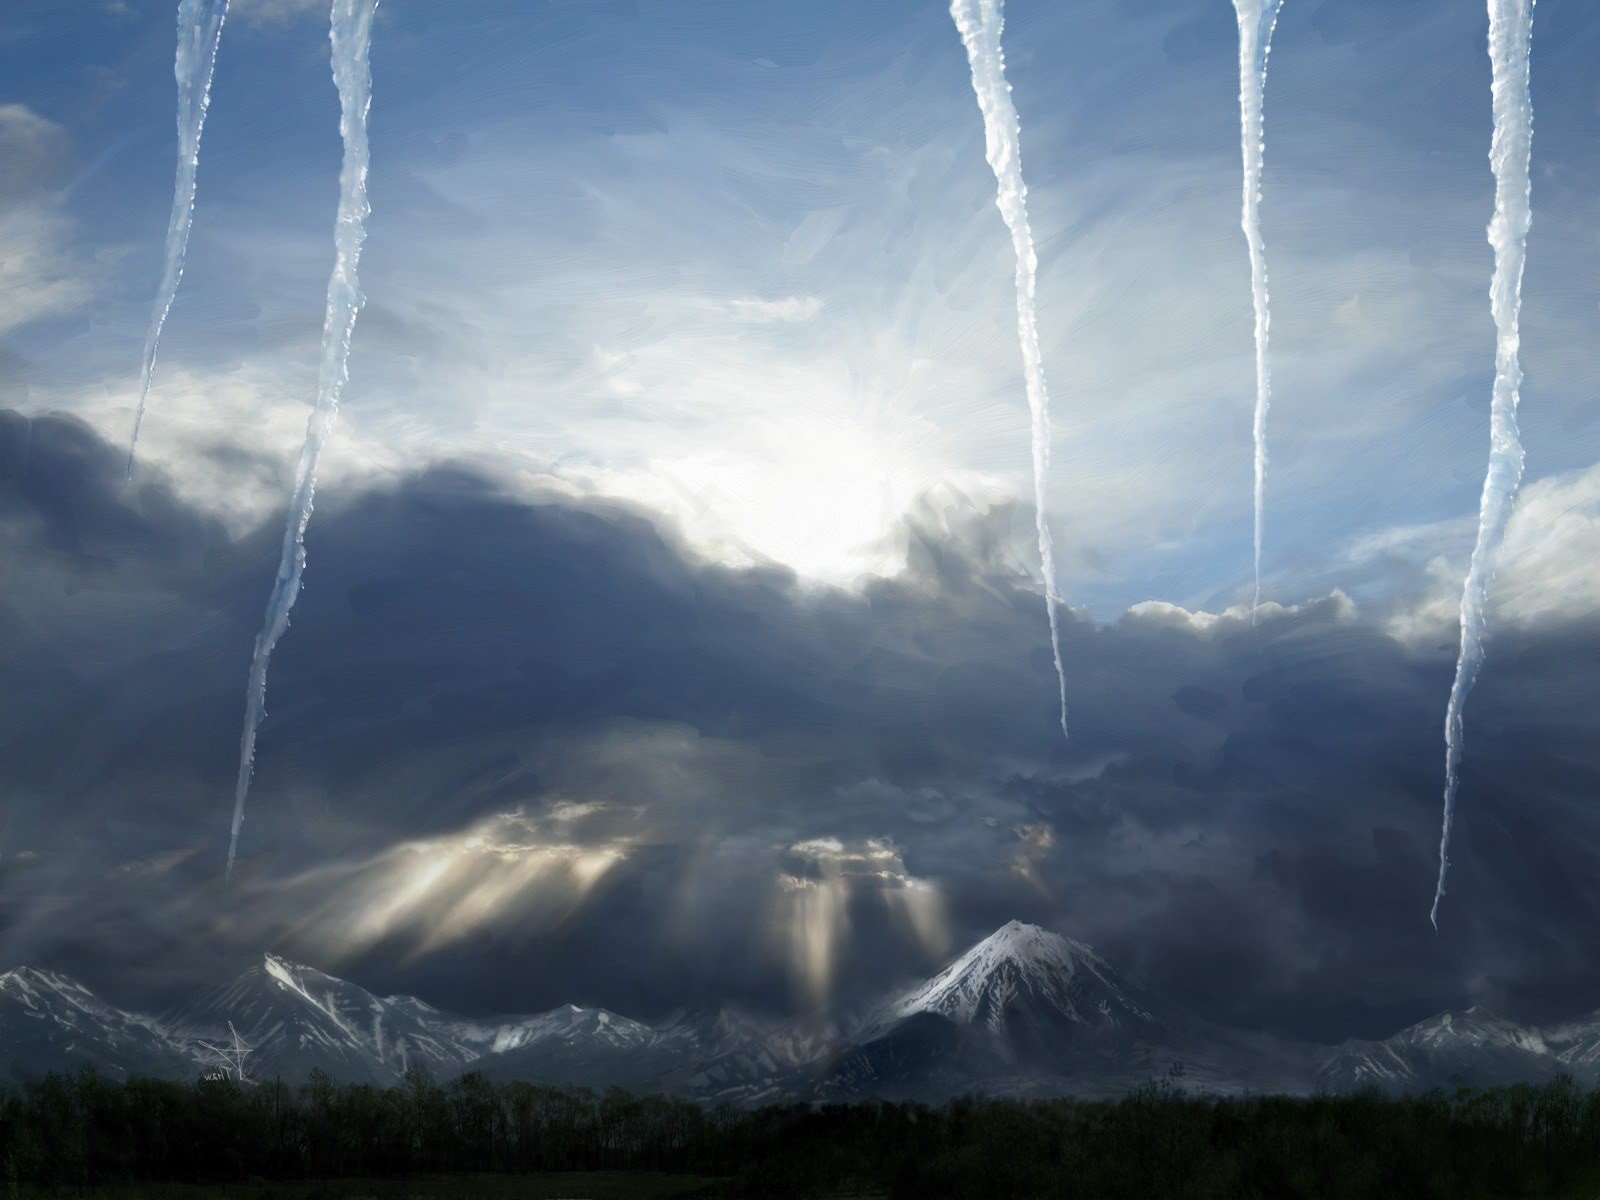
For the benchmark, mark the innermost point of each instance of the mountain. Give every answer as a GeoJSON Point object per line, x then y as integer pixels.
{"type": "Point", "coordinates": [297, 1019]}
{"type": "Point", "coordinates": [734, 1054]}
{"type": "Point", "coordinates": [51, 1023]}
{"type": "Point", "coordinates": [1577, 1044]}
{"type": "Point", "coordinates": [504, 1035]}
{"type": "Point", "coordinates": [719, 1052]}
{"type": "Point", "coordinates": [1475, 1048]}
{"type": "Point", "coordinates": [574, 1046]}
{"type": "Point", "coordinates": [1023, 1011]}
{"type": "Point", "coordinates": [1032, 988]}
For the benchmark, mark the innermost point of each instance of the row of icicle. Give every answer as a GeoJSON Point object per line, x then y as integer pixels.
{"type": "Point", "coordinates": [980, 24]}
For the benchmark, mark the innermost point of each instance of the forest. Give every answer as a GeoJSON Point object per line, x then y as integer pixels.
{"type": "Point", "coordinates": [76, 1134]}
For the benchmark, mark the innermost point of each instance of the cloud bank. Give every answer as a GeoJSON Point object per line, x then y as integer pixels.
{"type": "Point", "coordinates": [529, 749]}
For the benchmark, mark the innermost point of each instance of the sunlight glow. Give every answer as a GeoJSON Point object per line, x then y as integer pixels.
{"type": "Point", "coordinates": [533, 871]}
{"type": "Point", "coordinates": [813, 916]}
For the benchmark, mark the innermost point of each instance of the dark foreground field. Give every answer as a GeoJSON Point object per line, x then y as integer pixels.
{"type": "Point", "coordinates": [76, 1136]}
{"type": "Point", "coordinates": [566, 1185]}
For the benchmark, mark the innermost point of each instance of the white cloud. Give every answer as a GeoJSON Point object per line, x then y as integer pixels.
{"type": "Point", "coordinates": [788, 310]}
{"type": "Point", "coordinates": [32, 149]}
{"type": "Point", "coordinates": [227, 440]}
{"type": "Point", "coordinates": [1549, 567]}
{"type": "Point", "coordinates": [268, 11]}
{"type": "Point", "coordinates": [40, 275]}
{"type": "Point", "coordinates": [1199, 623]}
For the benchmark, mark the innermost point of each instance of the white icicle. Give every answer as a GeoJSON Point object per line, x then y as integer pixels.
{"type": "Point", "coordinates": [1257, 20]}
{"type": "Point", "coordinates": [199, 33]}
{"type": "Point", "coordinates": [980, 23]}
{"type": "Point", "coordinates": [351, 34]}
{"type": "Point", "coordinates": [1510, 42]}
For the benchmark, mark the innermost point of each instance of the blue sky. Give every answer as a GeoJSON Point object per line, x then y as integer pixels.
{"type": "Point", "coordinates": [740, 262]}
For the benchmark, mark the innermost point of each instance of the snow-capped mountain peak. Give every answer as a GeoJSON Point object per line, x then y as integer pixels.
{"type": "Point", "coordinates": [1025, 1011]}
{"type": "Point", "coordinates": [1475, 1047]}
{"type": "Point", "coordinates": [296, 1017]}
{"type": "Point", "coordinates": [30, 986]}
{"type": "Point", "coordinates": [1023, 964]}
{"type": "Point", "coordinates": [1476, 1026]}
{"type": "Point", "coordinates": [573, 1022]}
{"type": "Point", "coordinates": [1576, 1042]}
{"type": "Point", "coordinates": [49, 1021]}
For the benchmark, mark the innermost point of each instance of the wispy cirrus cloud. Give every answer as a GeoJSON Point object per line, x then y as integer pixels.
{"type": "Point", "coordinates": [44, 271]}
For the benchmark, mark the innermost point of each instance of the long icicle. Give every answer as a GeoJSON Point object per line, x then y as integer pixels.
{"type": "Point", "coordinates": [980, 23]}
{"type": "Point", "coordinates": [1257, 20]}
{"type": "Point", "coordinates": [351, 33]}
{"type": "Point", "coordinates": [199, 34]}
{"type": "Point", "coordinates": [1510, 43]}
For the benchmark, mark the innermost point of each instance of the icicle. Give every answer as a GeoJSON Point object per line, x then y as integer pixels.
{"type": "Point", "coordinates": [1510, 44]}
{"type": "Point", "coordinates": [1257, 20]}
{"type": "Point", "coordinates": [351, 34]}
{"type": "Point", "coordinates": [199, 32]}
{"type": "Point", "coordinates": [980, 23]}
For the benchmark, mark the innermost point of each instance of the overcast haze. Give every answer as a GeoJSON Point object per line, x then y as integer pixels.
{"type": "Point", "coordinates": [672, 629]}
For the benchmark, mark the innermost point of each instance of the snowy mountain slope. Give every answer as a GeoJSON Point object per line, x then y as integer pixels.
{"type": "Point", "coordinates": [589, 1047]}
{"type": "Point", "coordinates": [1023, 1012]}
{"type": "Point", "coordinates": [1045, 1001]}
{"type": "Point", "coordinates": [1027, 1011]}
{"type": "Point", "coordinates": [298, 1019]}
{"type": "Point", "coordinates": [1022, 972]}
{"type": "Point", "coordinates": [921, 1056]}
{"type": "Point", "coordinates": [731, 1053]}
{"type": "Point", "coordinates": [1475, 1048]}
{"type": "Point", "coordinates": [51, 1023]}
{"type": "Point", "coordinates": [569, 1023]}
{"type": "Point", "coordinates": [1577, 1045]}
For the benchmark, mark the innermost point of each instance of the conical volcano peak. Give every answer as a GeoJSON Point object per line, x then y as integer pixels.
{"type": "Point", "coordinates": [1022, 965]}
{"type": "Point", "coordinates": [1019, 940]}
{"type": "Point", "coordinates": [290, 973]}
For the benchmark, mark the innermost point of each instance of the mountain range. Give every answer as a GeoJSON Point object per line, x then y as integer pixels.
{"type": "Point", "coordinates": [1023, 1012]}
{"type": "Point", "coordinates": [1472, 1048]}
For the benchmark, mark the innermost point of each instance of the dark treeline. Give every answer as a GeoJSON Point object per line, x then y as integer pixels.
{"type": "Point", "coordinates": [68, 1131]}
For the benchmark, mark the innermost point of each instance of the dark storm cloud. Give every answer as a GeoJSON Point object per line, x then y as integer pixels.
{"type": "Point", "coordinates": [1245, 818]}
